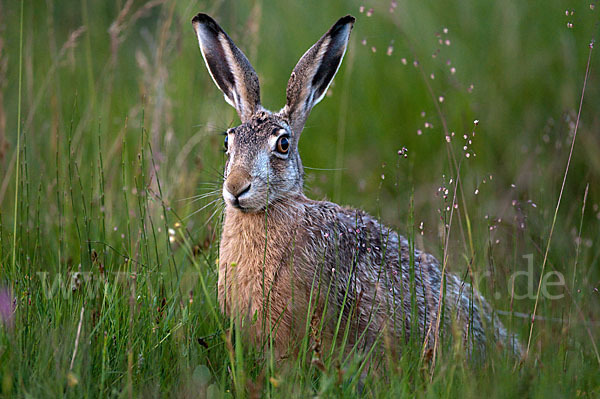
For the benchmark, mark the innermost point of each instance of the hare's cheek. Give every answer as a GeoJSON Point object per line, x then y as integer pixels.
{"type": "Point", "coordinates": [260, 167]}
{"type": "Point", "coordinates": [277, 168]}
{"type": "Point", "coordinates": [291, 172]}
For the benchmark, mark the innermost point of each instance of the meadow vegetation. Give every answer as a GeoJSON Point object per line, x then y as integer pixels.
{"type": "Point", "coordinates": [463, 124]}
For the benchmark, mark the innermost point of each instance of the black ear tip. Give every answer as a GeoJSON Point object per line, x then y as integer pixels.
{"type": "Point", "coordinates": [348, 19]}
{"type": "Point", "coordinates": [198, 18]}
{"type": "Point", "coordinates": [341, 24]}
{"type": "Point", "coordinates": [202, 18]}
{"type": "Point", "coordinates": [207, 22]}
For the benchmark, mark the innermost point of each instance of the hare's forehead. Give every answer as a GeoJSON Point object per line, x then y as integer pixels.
{"type": "Point", "coordinates": [260, 129]}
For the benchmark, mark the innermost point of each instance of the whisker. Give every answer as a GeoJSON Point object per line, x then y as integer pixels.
{"type": "Point", "coordinates": [215, 129]}
{"type": "Point", "coordinates": [218, 195]}
{"type": "Point", "coordinates": [324, 169]}
{"type": "Point", "coordinates": [201, 209]}
{"type": "Point", "coordinates": [279, 203]}
{"type": "Point", "coordinates": [210, 183]}
{"type": "Point", "coordinates": [220, 208]}
{"type": "Point", "coordinates": [215, 173]}
{"type": "Point", "coordinates": [200, 196]}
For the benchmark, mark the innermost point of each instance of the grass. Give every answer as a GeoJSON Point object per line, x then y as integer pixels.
{"type": "Point", "coordinates": [110, 152]}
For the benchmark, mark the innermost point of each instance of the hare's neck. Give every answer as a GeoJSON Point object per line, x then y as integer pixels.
{"type": "Point", "coordinates": [250, 232]}
{"type": "Point", "coordinates": [253, 248]}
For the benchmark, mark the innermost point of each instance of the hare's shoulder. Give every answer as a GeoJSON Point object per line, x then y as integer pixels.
{"type": "Point", "coordinates": [366, 234]}
{"type": "Point", "coordinates": [331, 216]}
{"type": "Point", "coordinates": [353, 227]}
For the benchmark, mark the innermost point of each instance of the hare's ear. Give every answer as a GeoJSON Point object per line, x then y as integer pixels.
{"type": "Point", "coordinates": [315, 71]}
{"type": "Point", "coordinates": [228, 66]}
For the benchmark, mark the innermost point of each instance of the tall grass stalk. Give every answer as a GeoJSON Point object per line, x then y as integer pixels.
{"type": "Point", "coordinates": [341, 124]}
{"type": "Point", "coordinates": [562, 188]}
{"type": "Point", "coordinates": [18, 148]}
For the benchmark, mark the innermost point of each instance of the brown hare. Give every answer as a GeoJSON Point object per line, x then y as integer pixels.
{"type": "Point", "coordinates": [289, 265]}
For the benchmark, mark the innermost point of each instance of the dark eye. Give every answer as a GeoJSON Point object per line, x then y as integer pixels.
{"type": "Point", "coordinates": [283, 145]}
{"type": "Point", "coordinates": [225, 142]}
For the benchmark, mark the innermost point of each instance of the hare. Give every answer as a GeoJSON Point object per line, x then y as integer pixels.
{"type": "Point", "coordinates": [291, 266]}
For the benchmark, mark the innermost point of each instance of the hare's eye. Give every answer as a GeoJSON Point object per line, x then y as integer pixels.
{"type": "Point", "coordinates": [283, 145]}
{"type": "Point", "coordinates": [225, 142]}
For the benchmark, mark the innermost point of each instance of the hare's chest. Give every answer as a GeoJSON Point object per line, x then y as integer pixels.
{"type": "Point", "coordinates": [246, 271]}
{"type": "Point", "coordinates": [255, 261]}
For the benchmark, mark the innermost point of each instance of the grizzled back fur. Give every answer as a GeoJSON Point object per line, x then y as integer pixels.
{"type": "Point", "coordinates": [290, 265]}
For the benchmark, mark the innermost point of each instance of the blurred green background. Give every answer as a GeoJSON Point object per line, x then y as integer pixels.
{"type": "Point", "coordinates": [114, 79]}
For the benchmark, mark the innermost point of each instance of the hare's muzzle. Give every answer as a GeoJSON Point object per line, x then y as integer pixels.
{"type": "Point", "coordinates": [236, 185]}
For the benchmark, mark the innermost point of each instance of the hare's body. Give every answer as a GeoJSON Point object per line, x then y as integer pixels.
{"type": "Point", "coordinates": [289, 264]}
{"type": "Point", "coordinates": [351, 264]}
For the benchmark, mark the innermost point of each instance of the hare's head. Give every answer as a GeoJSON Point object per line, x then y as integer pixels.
{"type": "Point", "coordinates": [263, 165]}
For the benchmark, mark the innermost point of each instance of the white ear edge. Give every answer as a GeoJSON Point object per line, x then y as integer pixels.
{"type": "Point", "coordinates": [203, 39]}
{"type": "Point", "coordinates": [228, 67]}
{"type": "Point", "coordinates": [239, 89]}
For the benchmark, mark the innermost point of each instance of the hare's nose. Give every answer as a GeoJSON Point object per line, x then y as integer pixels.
{"type": "Point", "coordinates": [238, 182]}
{"type": "Point", "coordinates": [240, 190]}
